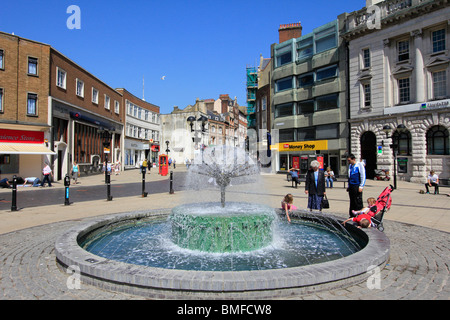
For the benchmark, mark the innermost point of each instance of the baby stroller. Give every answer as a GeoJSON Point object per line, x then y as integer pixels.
{"type": "Point", "coordinates": [382, 205]}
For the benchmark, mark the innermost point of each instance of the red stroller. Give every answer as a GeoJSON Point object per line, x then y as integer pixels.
{"type": "Point", "coordinates": [382, 205]}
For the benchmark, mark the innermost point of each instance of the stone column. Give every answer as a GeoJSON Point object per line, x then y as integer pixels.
{"type": "Point", "coordinates": [418, 66]}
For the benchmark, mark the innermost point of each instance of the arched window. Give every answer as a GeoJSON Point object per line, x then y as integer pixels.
{"type": "Point", "coordinates": [403, 140]}
{"type": "Point", "coordinates": [437, 141]}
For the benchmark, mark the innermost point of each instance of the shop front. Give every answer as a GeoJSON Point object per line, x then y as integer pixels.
{"type": "Point", "coordinates": [135, 151]}
{"type": "Point", "coordinates": [23, 153]}
{"type": "Point", "coordinates": [299, 155]}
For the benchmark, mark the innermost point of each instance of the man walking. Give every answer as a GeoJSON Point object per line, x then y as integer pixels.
{"type": "Point", "coordinates": [356, 182]}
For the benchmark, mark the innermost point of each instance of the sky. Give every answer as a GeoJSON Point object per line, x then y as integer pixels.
{"type": "Point", "coordinates": [202, 47]}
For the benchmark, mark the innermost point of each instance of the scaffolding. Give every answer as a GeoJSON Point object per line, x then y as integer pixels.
{"type": "Point", "coordinates": [252, 87]}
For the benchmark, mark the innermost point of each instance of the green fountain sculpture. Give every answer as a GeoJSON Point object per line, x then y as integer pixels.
{"type": "Point", "coordinates": [223, 227]}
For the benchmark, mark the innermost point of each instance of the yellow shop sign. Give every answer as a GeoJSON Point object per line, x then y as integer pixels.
{"type": "Point", "coordinates": [301, 146]}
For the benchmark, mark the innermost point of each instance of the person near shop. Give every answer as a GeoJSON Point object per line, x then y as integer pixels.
{"type": "Point", "coordinates": [315, 186]}
{"type": "Point", "coordinates": [47, 172]}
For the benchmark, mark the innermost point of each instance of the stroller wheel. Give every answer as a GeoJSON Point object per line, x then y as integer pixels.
{"type": "Point", "coordinates": [380, 227]}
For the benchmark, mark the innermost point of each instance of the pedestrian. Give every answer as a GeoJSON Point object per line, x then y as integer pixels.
{"type": "Point", "coordinates": [315, 186]}
{"type": "Point", "coordinates": [329, 175]}
{"type": "Point", "coordinates": [294, 175]}
{"type": "Point", "coordinates": [356, 182]}
{"type": "Point", "coordinates": [170, 162]}
{"type": "Point", "coordinates": [174, 164]}
{"type": "Point", "coordinates": [432, 180]}
{"type": "Point", "coordinates": [75, 172]}
{"type": "Point", "coordinates": [47, 172]}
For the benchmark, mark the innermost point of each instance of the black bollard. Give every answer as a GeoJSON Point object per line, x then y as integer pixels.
{"type": "Point", "coordinates": [171, 183]}
{"type": "Point", "coordinates": [144, 194]}
{"type": "Point", "coordinates": [108, 185]}
{"type": "Point", "coordinates": [66, 194]}
{"type": "Point", "coordinates": [14, 195]}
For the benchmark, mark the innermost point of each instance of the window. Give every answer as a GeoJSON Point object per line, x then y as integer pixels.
{"type": "Point", "coordinates": [61, 78]}
{"type": "Point", "coordinates": [326, 73]}
{"type": "Point", "coordinates": [326, 39]}
{"type": "Point", "coordinates": [107, 102]}
{"type": "Point", "coordinates": [437, 141]}
{"type": "Point", "coordinates": [284, 56]}
{"type": "Point", "coordinates": [1, 100]}
{"type": "Point", "coordinates": [117, 107]}
{"type": "Point", "coordinates": [439, 84]}
{"type": "Point", "coordinates": [284, 110]}
{"type": "Point", "coordinates": [306, 80]}
{"type": "Point", "coordinates": [283, 84]}
{"type": "Point", "coordinates": [263, 105]}
{"type": "Point", "coordinates": [306, 107]}
{"type": "Point", "coordinates": [80, 88]}
{"type": "Point", "coordinates": [2, 60]}
{"type": "Point", "coordinates": [32, 104]}
{"type": "Point", "coordinates": [306, 134]}
{"type": "Point", "coordinates": [286, 135]}
{"type": "Point", "coordinates": [94, 95]}
{"type": "Point", "coordinates": [366, 58]}
{"type": "Point", "coordinates": [403, 90]}
{"type": "Point", "coordinates": [305, 48]}
{"type": "Point", "coordinates": [438, 38]}
{"type": "Point", "coordinates": [327, 102]}
{"type": "Point", "coordinates": [329, 131]}
{"type": "Point", "coordinates": [403, 50]}
{"type": "Point", "coordinates": [403, 140]}
{"type": "Point", "coordinates": [367, 94]}
{"type": "Point", "coordinates": [32, 66]}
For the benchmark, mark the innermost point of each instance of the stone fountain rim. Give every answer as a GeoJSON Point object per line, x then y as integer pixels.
{"type": "Point", "coordinates": [136, 279]}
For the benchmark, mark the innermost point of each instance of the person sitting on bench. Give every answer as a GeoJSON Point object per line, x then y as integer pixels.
{"type": "Point", "coordinates": [294, 175]}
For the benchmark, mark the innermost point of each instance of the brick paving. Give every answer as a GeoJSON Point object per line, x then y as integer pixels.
{"type": "Point", "coordinates": [418, 268]}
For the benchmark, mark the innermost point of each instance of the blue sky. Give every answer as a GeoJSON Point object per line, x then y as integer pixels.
{"type": "Point", "coordinates": [201, 46]}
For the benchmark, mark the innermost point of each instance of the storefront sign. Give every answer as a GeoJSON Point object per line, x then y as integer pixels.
{"type": "Point", "coordinates": [427, 106]}
{"type": "Point", "coordinates": [21, 136]}
{"type": "Point", "coordinates": [301, 146]}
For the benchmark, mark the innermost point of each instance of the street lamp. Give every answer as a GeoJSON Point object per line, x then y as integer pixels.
{"type": "Point", "coordinates": [167, 150]}
{"type": "Point", "coordinates": [191, 120]}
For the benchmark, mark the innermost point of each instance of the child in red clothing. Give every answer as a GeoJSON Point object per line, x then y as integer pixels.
{"type": "Point", "coordinates": [363, 220]}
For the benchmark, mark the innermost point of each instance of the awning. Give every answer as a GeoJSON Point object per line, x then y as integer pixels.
{"type": "Point", "coordinates": [24, 148]}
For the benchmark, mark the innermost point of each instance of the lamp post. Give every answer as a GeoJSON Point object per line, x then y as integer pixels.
{"type": "Point", "coordinates": [394, 146]}
{"type": "Point", "coordinates": [106, 144]}
{"type": "Point", "coordinates": [203, 121]}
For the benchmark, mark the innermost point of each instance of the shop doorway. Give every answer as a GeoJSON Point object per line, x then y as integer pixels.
{"type": "Point", "coordinates": [369, 153]}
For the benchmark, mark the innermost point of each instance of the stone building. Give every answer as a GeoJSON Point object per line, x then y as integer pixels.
{"type": "Point", "coordinates": [399, 55]}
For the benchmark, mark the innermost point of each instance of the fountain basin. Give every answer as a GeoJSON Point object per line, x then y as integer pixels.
{"type": "Point", "coordinates": [209, 227]}
{"type": "Point", "coordinates": [157, 282]}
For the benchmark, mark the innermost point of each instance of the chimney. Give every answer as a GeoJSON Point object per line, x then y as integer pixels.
{"type": "Point", "coordinates": [289, 31]}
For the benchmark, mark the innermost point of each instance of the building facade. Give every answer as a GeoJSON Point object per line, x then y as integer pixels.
{"type": "Point", "coordinates": [399, 86]}
{"type": "Point", "coordinates": [309, 100]}
{"type": "Point", "coordinates": [25, 129]}
{"type": "Point", "coordinates": [142, 130]}
{"type": "Point", "coordinates": [87, 118]}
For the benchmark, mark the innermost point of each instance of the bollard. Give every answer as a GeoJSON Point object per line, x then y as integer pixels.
{"type": "Point", "coordinates": [144, 194]}
{"type": "Point", "coordinates": [171, 183]}
{"type": "Point", "coordinates": [66, 194]}
{"type": "Point", "coordinates": [14, 195]}
{"type": "Point", "coordinates": [108, 185]}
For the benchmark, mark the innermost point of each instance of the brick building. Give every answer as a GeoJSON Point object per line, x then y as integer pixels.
{"type": "Point", "coordinates": [24, 127]}
{"type": "Point", "coordinates": [86, 113]}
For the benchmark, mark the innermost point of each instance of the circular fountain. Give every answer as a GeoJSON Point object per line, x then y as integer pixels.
{"type": "Point", "coordinates": [223, 249]}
